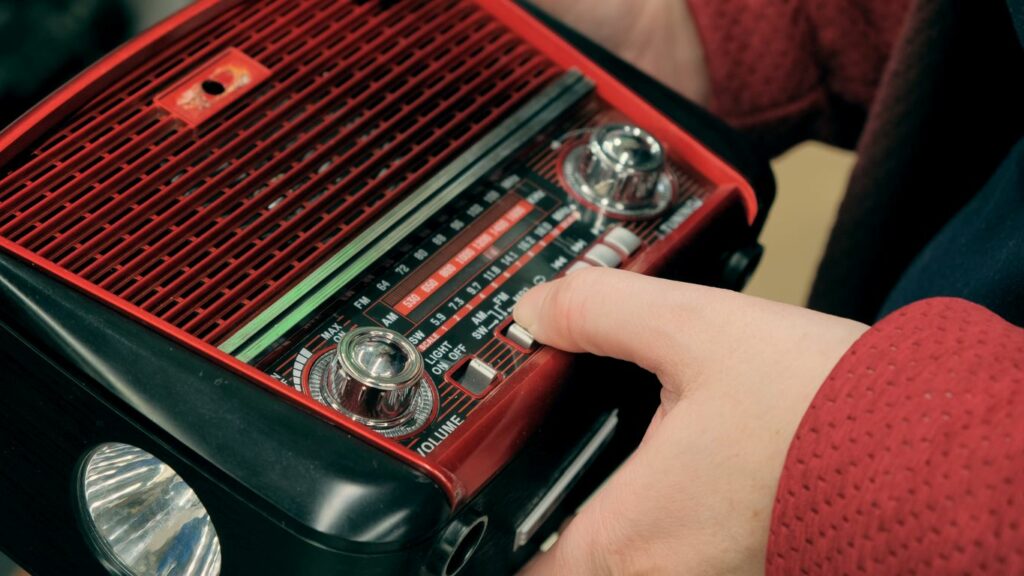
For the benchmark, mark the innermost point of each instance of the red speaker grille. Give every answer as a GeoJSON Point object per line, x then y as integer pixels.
{"type": "Point", "coordinates": [206, 226]}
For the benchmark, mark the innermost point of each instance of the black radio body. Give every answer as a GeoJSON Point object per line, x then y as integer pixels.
{"type": "Point", "coordinates": [268, 253]}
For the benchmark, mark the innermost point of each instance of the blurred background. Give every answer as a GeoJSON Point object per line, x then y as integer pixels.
{"type": "Point", "coordinates": [811, 183]}
{"type": "Point", "coordinates": [45, 42]}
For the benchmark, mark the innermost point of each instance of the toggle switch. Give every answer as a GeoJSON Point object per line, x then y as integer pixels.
{"type": "Point", "coordinates": [520, 336]}
{"type": "Point", "coordinates": [476, 376]}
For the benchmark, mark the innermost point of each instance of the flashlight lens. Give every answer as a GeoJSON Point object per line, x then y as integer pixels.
{"type": "Point", "coordinates": [144, 518]}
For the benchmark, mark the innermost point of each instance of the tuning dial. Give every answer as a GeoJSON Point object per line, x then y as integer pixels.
{"type": "Point", "coordinates": [376, 378]}
{"type": "Point", "coordinates": [621, 172]}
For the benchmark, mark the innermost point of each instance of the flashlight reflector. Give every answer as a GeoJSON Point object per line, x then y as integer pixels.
{"type": "Point", "coordinates": [142, 516]}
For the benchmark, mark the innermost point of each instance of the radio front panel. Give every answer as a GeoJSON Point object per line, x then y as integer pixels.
{"type": "Point", "coordinates": [342, 201]}
{"type": "Point", "coordinates": [450, 286]}
{"type": "Point", "coordinates": [264, 258]}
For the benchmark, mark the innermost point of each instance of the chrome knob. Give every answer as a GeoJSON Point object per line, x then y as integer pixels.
{"type": "Point", "coordinates": [375, 378]}
{"type": "Point", "coordinates": [621, 171]}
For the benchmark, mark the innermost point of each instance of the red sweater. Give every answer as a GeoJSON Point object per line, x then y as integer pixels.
{"type": "Point", "coordinates": [783, 65]}
{"type": "Point", "coordinates": [909, 460]}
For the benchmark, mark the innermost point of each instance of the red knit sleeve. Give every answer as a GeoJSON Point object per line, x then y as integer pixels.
{"type": "Point", "coordinates": [794, 69]}
{"type": "Point", "coordinates": [910, 458]}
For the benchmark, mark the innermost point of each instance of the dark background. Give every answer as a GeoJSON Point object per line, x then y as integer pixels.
{"type": "Point", "coordinates": [43, 43]}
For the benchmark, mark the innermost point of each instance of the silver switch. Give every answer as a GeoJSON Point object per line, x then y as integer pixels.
{"type": "Point", "coordinates": [476, 376]}
{"type": "Point", "coordinates": [520, 336]}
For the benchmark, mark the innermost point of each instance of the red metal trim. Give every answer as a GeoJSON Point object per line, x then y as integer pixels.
{"type": "Point", "coordinates": [464, 463]}
{"type": "Point", "coordinates": [232, 215]}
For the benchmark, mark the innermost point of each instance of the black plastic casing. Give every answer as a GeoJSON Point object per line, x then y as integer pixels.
{"type": "Point", "coordinates": [288, 492]}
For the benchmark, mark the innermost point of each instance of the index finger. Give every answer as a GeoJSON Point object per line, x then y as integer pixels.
{"type": "Point", "coordinates": [615, 313]}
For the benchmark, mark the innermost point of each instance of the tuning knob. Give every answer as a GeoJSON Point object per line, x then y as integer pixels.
{"type": "Point", "coordinates": [375, 378]}
{"type": "Point", "coordinates": [621, 171]}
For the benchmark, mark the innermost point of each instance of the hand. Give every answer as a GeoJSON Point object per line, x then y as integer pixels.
{"type": "Point", "coordinates": [737, 372]}
{"type": "Point", "coordinates": [657, 36]}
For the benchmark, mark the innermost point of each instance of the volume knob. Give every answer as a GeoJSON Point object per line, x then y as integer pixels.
{"type": "Point", "coordinates": [375, 378]}
{"type": "Point", "coordinates": [621, 171]}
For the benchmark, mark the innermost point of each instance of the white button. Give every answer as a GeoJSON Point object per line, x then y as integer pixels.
{"type": "Point", "coordinates": [577, 266]}
{"type": "Point", "coordinates": [601, 255]}
{"type": "Point", "coordinates": [624, 240]}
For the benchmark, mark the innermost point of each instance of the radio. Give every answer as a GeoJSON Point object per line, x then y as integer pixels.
{"type": "Point", "coordinates": [257, 274]}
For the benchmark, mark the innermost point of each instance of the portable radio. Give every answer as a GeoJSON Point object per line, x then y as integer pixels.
{"type": "Point", "coordinates": [257, 269]}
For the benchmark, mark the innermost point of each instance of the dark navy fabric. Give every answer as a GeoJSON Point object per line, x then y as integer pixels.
{"type": "Point", "coordinates": [979, 255]}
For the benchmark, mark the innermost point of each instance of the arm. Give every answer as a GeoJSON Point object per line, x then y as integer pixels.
{"type": "Point", "coordinates": [782, 71]}
{"type": "Point", "coordinates": [799, 69]}
{"type": "Point", "coordinates": [909, 458]}
{"type": "Point", "coordinates": [657, 36]}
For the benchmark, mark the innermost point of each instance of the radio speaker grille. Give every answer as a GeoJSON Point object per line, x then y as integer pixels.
{"type": "Point", "coordinates": [204, 227]}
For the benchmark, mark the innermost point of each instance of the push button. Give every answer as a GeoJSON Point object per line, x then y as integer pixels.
{"type": "Point", "coordinates": [577, 266]}
{"type": "Point", "coordinates": [623, 240]}
{"type": "Point", "coordinates": [601, 255]}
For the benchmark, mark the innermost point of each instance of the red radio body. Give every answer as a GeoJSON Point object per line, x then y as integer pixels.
{"type": "Point", "coordinates": [275, 245]}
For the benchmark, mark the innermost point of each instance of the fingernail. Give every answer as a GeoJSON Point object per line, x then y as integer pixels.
{"type": "Point", "coordinates": [527, 311]}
